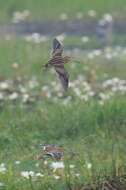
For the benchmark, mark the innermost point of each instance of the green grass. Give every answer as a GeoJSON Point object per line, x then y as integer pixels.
{"type": "Point", "coordinates": [96, 133]}
{"type": "Point", "coordinates": [51, 9]}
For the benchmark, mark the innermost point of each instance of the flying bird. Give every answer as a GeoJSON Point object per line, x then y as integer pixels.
{"type": "Point", "coordinates": [58, 61]}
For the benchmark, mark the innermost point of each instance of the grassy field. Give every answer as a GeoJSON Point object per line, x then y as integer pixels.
{"type": "Point", "coordinates": [96, 133]}
{"type": "Point", "coordinates": [88, 121]}
{"type": "Point", "coordinates": [52, 9]}
{"type": "Point", "coordinates": [93, 127]}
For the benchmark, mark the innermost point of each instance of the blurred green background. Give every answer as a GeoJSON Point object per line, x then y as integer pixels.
{"type": "Point", "coordinates": [51, 9]}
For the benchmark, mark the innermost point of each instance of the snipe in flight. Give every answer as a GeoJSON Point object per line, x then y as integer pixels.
{"type": "Point", "coordinates": [58, 61]}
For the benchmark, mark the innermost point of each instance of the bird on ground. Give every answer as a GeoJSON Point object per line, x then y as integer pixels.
{"type": "Point", "coordinates": [56, 152]}
{"type": "Point", "coordinates": [58, 61]}
{"type": "Point", "coordinates": [53, 151]}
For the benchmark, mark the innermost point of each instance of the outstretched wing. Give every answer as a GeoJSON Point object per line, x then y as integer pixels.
{"type": "Point", "coordinates": [63, 75]}
{"type": "Point", "coordinates": [57, 48]}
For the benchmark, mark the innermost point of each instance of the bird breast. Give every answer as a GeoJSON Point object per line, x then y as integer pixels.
{"type": "Point", "coordinates": [57, 60]}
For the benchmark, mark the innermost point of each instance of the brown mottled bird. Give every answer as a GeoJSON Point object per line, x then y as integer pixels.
{"type": "Point", "coordinates": [53, 151]}
{"type": "Point", "coordinates": [58, 61]}
{"type": "Point", "coordinates": [56, 152]}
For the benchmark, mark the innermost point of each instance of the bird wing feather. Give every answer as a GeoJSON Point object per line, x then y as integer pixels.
{"type": "Point", "coordinates": [57, 48]}
{"type": "Point", "coordinates": [58, 62]}
{"type": "Point", "coordinates": [63, 76]}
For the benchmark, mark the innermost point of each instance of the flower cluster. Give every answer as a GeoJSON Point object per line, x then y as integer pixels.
{"type": "Point", "coordinates": [19, 16]}
{"type": "Point", "coordinates": [36, 38]}
{"type": "Point", "coordinates": [30, 90]}
{"type": "Point", "coordinates": [3, 168]}
{"type": "Point", "coordinates": [28, 174]}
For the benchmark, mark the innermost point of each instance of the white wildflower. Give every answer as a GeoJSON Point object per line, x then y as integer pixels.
{"type": "Point", "coordinates": [17, 162]}
{"type": "Point", "coordinates": [26, 13]}
{"type": "Point", "coordinates": [92, 13]}
{"type": "Point", "coordinates": [35, 37]}
{"type": "Point", "coordinates": [56, 177]}
{"type": "Point", "coordinates": [104, 96]}
{"type": "Point", "coordinates": [108, 56]}
{"type": "Point", "coordinates": [97, 52]}
{"type": "Point", "coordinates": [116, 80]}
{"type": "Point", "coordinates": [107, 17]}
{"type": "Point", "coordinates": [8, 37]}
{"type": "Point", "coordinates": [114, 89]}
{"type": "Point", "coordinates": [33, 83]}
{"type": "Point", "coordinates": [90, 55]}
{"type": "Point", "coordinates": [13, 96]}
{"type": "Point", "coordinates": [86, 86]}
{"type": "Point", "coordinates": [4, 85]}
{"type": "Point", "coordinates": [72, 166]}
{"type": "Point", "coordinates": [25, 98]}
{"type": "Point", "coordinates": [45, 162]}
{"type": "Point", "coordinates": [77, 174]}
{"type": "Point", "coordinates": [31, 173]}
{"type": "Point", "coordinates": [27, 174]}
{"type": "Point", "coordinates": [59, 94]}
{"type": "Point", "coordinates": [22, 89]}
{"type": "Point", "coordinates": [63, 16]}
{"type": "Point", "coordinates": [2, 165]}
{"type": "Point", "coordinates": [15, 65]}
{"type": "Point", "coordinates": [57, 165]}
{"type": "Point", "coordinates": [2, 185]}
{"type": "Point", "coordinates": [39, 175]}
{"type": "Point", "coordinates": [3, 168]}
{"type": "Point", "coordinates": [19, 16]}
{"type": "Point", "coordinates": [91, 93]}
{"type": "Point", "coordinates": [45, 88]}
{"type": "Point", "coordinates": [85, 98]}
{"type": "Point", "coordinates": [85, 39]}
{"type": "Point", "coordinates": [37, 164]}
{"type": "Point", "coordinates": [89, 165]}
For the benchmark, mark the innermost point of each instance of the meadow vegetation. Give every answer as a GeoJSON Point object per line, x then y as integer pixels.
{"type": "Point", "coordinates": [88, 121]}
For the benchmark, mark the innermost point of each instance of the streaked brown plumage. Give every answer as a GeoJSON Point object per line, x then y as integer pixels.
{"type": "Point", "coordinates": [58, 61]}
{"type": "Point", "coordinates": [52, 151]}
{"type": "Point", "coordinates": [55, 152]}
